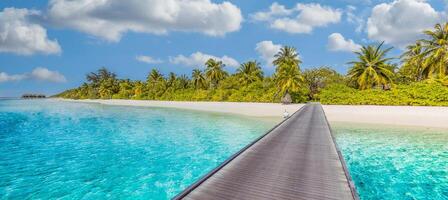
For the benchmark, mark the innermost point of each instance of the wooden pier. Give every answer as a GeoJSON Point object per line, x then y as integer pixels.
{"type": "Point", "coordinates": [298, 159]}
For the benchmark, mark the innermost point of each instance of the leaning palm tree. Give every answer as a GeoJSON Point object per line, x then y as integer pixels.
{"type": "Point", "coordinates": [214, 72]}
{"type": "Point", "coordinates": [101, 75]}
{"type": "Point", "coordinates": [249, 72]}
{"type": "Point", "coordinates": [435, 61]}
{"type": "Point", "coordinates": [372, 67]}
{"type": "Point", "coordinates": [198, 79]}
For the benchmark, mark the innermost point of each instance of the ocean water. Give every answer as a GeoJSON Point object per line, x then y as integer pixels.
{"type": "Point", "coordinates": [61, 150]}
{"type": "Point", "coordinates": [396, 163]}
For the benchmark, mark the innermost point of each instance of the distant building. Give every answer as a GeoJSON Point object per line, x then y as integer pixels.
{"type": "Point", "coordinates": [33, 96]}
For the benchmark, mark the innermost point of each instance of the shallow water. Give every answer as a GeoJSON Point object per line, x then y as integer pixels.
{"type": "Point", "coordinates": [51, 149]}
{"type": "Point", "coordinates": [395, 162]}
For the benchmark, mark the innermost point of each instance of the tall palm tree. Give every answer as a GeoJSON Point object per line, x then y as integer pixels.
{"type": "Point", "coordinates": [288, 79]}
{"type": "Point", "coordinates": [155, 84]}
{"type": "Point", "coordinates": [249, 72]}
{"type": "Point", "coordinates": [214, 72]}
{"type": "Point", "coordinates": [171, 79]}
{"type": "Point", "coordinates": [413, 61]}
{"type": "Point", "coordinates": [198, 79]}
{"type": "Point", "coordinates": [436, 52]}
{"type": "Point", "coordinates": [183, 81]}
{"type": "Point", "coordinates": [287, 55]}
{"type": "Point", "coordinates": [372, 67]}
{"type": "Point", "coordinates": [154, 76]}
{"type": "Point", "coordinates": [287, 74]}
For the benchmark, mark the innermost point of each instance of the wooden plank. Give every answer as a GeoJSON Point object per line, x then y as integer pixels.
{"type": "Point", "coordinates": [298, 159]}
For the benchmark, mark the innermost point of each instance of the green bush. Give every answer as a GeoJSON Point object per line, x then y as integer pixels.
{"type": "Point", "coordinates": [427, 93]}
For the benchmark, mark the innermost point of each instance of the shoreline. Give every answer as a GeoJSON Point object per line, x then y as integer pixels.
{"type": "Point", "coordinates": [264, 110]}
{"type": "Point", "coordinates": [411, 116]}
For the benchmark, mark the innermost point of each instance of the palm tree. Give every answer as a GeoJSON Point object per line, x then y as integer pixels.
{"type": "Point", "coordinates": [413, 62]}
{"type": "Point", "coordinates": [138, 89]}
{"type": "Point", "coordinates": [288, 79]}
{"type": "Point", "coordinates": [287, 74]}
{"type": "Point", "coordinates": [249, 72]}
{"type": "Point", "coordinates": [101, 75]}
{"type": "Point", "coordinates": [198, 79]}
{"type": "Point", "coordinates": [372, 68]}
{"type": "Point", "coordinates": [214, 72]}
{"type": "Point", "coordinates": [155, 85]}
{"type": "Point", "coordinates": [183, 81]}
{"type": "Point", "coordinates": [435, 61]}
{"type": "Point", "coordinates": [171, 79]}
{"type": "Point", "coordinates": [108, 87]}
{"type": "Point", "coordinates": [154, 76]}
{"type": "Point", "coordinates": [287, 55]}
{"type": "Point", "coordinates": [125, 89]}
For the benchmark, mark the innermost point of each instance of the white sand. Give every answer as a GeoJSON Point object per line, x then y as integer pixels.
{"type": "Point", "coordinates": [419, 116]}
{"type": "Point", "coordinates": [248, 109]}
{"type": "Point", "coordinates": [436, 117]}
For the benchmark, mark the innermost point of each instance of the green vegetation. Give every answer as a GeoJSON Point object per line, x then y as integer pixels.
{"type": "Point", "coordinates": [427, 93]}
{"type": "Point", "coordinates": [248, 84]}
{"type": "Point", "coordinates": [287, 77]}
{"type": "Point", "coordinates": [317, 79]}
{"type": "Point", "coordinates": [420, 79]}
{"type": "Point", "coordinates": [372, 68]}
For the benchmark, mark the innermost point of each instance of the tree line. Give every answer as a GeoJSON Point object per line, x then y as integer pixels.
{"type": "Point", "coordinates": [426, 59]}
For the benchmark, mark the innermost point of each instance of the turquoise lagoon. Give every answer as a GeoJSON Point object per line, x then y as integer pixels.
{"type": "Point", "coordinates": [59, 150]}
{"type": "Point", "coordinates": [397, 163]}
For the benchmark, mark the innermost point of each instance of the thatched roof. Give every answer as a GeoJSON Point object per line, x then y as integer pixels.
{"type": "Point", "coordinates": [286, 99]}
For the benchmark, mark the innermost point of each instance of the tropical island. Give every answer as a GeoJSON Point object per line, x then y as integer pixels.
{"type": "Point", "coordinates": [208, 99]}
{"type": "Point", "coordinates": [420, 79]}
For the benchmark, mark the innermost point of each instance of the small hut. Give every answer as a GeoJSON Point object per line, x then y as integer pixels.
{"type": "Point", "coordinates": [286, 99]}
{"type": "Point", "coordinates": [33, 96]}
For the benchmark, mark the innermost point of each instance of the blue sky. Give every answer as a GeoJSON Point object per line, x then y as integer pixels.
{"type": "Point", "coordinates": [48, 47]}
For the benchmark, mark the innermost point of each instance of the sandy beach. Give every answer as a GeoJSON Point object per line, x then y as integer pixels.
{"type": "Point", "coordinates": [247, 109]}
{"type": "Point", "coordinates": [436, 117]}
{"type": "Point", "coordinates": [418, 116]}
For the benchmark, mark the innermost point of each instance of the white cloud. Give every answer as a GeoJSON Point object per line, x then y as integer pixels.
{"type": "Point", "coordinates": [4, 77]}
{"type": "Point", "coordinates": [39, 73]}
{"type": "Point", "coordinates": [355, 18]}
{"type": "Point", "coordinates": [18, 34]}
{"type": "Point", "coordinates": [401, 21]}
{"type": "Point", "coordinates": [301, 19]}
{"type": "Point", "coordinates": [198, 59]}
{"type": "Point", "coordinates": [267, 51]}
{"type": "Point", "coordinates": [44, 74]}
{"type": "Point", "coordinates": [337, 42]}
{"type": "Point", "coordinates": [148, 59]}
{"type": "Point", "coordinates": [275, 10]}
{"type": "Point", "coordinates": [110, 19]}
